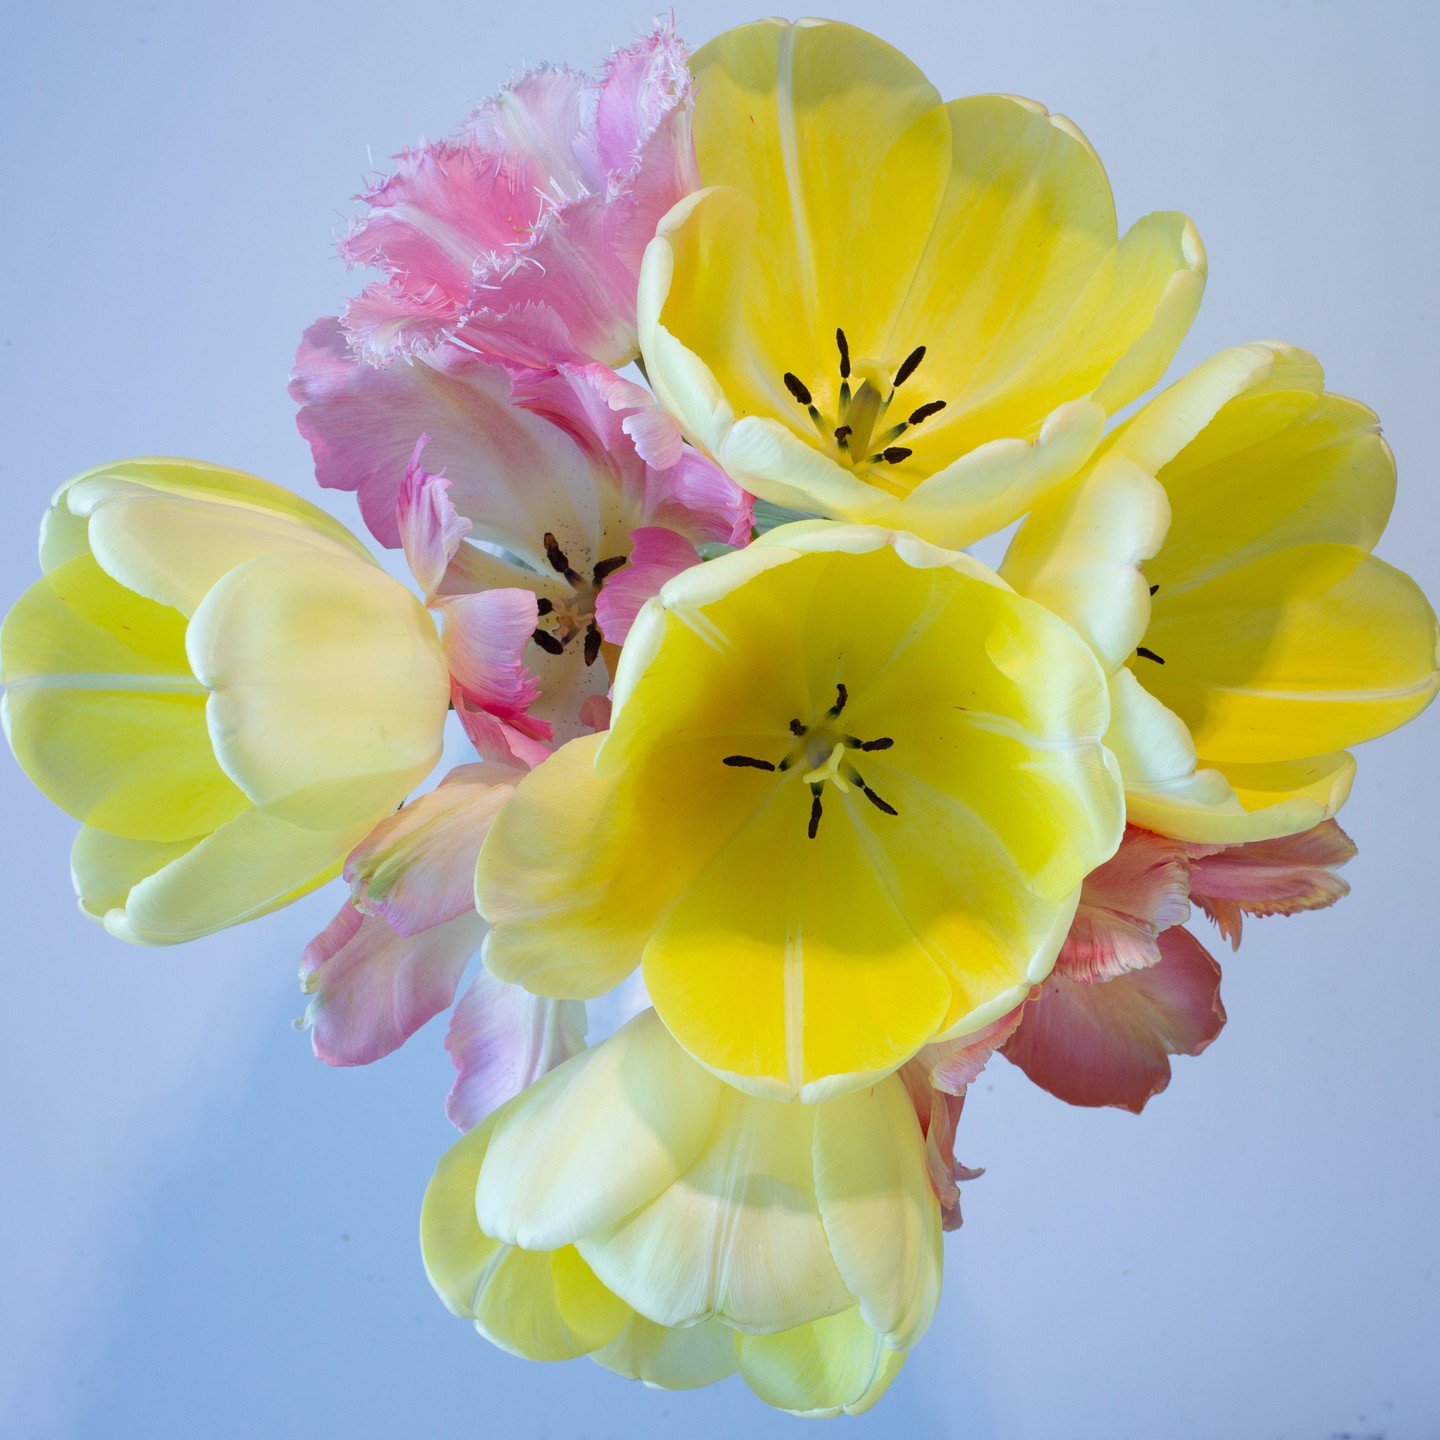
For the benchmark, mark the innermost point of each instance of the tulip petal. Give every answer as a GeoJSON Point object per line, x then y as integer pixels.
{"type": "Point", "coordinates": [430, 527]}
{"type": "Point", "coordinates": [292, 656]}
{"type": "Point", "coordinates": [371, 989]}
{"type": "Point", "coordinates": [103, 712]}
{"type": "Point", "coordinates": [250, 866]}
{"type": "Point", "coordinates": [416, 868]}
{"type": "Point", "coordinates": [553, 1178]}
{"type": "Point", "coordinates": [657, 556]}
{"type": "Point", "coordinates": [502, 1039]}
{"type": "Point", "coordinates": [1125, 904]}
{"type": "Point", "coordinates": [545, 1306]}
{"type": "Point", "coordinates": [1110, 1043]}
{"type": "Point", "coordinates": [669, 1359]}
{"type": "Point", "coordinates": [833, 1366]}
{"type": "Point", "coordinates": [736, 1235]}
{"type": "Point", "coordinates": [1271, 877]}
{"type": "Point", "coordinates": [879, 1213]}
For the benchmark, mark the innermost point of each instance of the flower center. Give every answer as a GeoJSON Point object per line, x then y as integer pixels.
{"type": "Point", "coordinates": [574, 615]}
{"type": "Point", "coordinates": [821, 755]}
{"type": "Point", "coordinates": [856, 434]}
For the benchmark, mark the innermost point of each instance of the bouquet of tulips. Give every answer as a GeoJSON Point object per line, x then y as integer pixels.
{"type": "Point", "coordinates": [828, 810]}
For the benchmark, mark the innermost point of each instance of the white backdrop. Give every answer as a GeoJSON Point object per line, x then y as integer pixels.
{"type": "Point", "coordinates": [205, 1232]}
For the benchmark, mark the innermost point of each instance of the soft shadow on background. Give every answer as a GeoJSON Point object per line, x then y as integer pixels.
{"type": "Point", "coordinates": [203, 1231]}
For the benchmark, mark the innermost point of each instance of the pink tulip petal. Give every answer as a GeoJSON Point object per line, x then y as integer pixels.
{"type": "Point", "coordinates": [541, 205]}
{"type": "Point", "coordinates": [431, 529]}
{"type": "Point", "coordinates": [1270, 877]}
{"type": "Point", "coordinates": [954, 1064]}
{"type": "Point", "coordinates": [502, 1039]}
{"type": "Point", "coordinates": [656, 556]}
{"type": "Point", "coordinates": [416, 868]}
{"type": "Point", "coordinates": [1124, 905]}
{"type": "Point", "coordinates": [484, 637]}
{"type": "Point", "coordinates": [496, 740]}
{"type": "Point", "coordinates": [1110, 1043]}
{"type": "Point", "coordinates": [599, 410]}
{"type": "Point", "coordinates": [371, 989]}
{"type": "Point", "coordinates": [595, 713]}
{"type": "Point", "coordinates": [939, 1115]}
{"type": "Point", "coordinates": [511, 474]}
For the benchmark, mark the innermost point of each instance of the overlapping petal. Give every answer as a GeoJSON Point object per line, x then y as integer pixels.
{"type": "Point", "coordinates": [735, 1220]}
{"type": "Point", "coordinates": [1217, 555]}
{"type": "Point", "coordinates": [220, 683]}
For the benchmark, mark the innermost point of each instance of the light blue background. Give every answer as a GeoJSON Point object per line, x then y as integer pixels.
{"type": "Point", "coordinates": [204, 1232]}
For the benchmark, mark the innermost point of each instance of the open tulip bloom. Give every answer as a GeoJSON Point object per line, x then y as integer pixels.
{"type": "Point", "coordinates": [823, 811]}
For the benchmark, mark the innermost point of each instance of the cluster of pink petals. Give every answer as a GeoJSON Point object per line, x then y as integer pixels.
{"type": "Point", "coordinates": [572, 461]}
{"type": "Point", "coordinates": [1132, 987]}
{"type": "Point", "coordinates": [520, 236]}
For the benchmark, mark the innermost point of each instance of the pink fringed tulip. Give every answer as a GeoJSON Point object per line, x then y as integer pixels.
{"type": "Point", "coordinates": [521, 235]}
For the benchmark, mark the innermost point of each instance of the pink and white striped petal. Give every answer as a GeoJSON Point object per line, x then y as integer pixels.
{"type": "Point", "coordinates": [416, 869]}
{"type": "Point", "coordinates": [431, 528]}
{"type": "Point", "coordinates": [1270, 877]}
{"type": "Point", "coordinates": [656, 555]}
{"type": "Point", "coordinates": [1110, 1042]}
{"type": "Point", "coordinates": [371, 989]}
{"type": "Point", "coordinates": [1125, 904]}
{"type": "Point", "coordinates": [501, 1040]}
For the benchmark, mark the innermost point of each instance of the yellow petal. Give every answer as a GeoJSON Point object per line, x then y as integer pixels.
{"type": "Point", "coordinates": [804, 118]}
{"type": "Point", "coordinates": [880, 1214]}
{"type": "Point", "coordinates": [543, 1306]}
{"type": "Point", "coordinates": [1080, 554]}
{"type": "Point", "coordinates": [552, 1176]}
{"type": "Point", "coordinates": [103, 712]}
{"type": "Point", "coordinates": [63, 536]}
{"type": "Point", "coordinates": [328, 688]}
{"type": "Point", "coordinates": [830, 1367]}
{"type": "Point", "coordinates": [250, 866]}
{"type": "Point", "coordinates": [737, 1236]}
{"type": "Point", "coordinates": [1300, 651]}
{"type": "Point", "coordinates": [1172, 792]}
{"type": "Point", "coordinates": [670, 1359]}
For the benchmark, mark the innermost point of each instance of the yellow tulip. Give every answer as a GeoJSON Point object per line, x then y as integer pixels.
{"type": "Point", "coordinates": [799, 1244]}
{"type": "Point", "coordinates": [888, 309]}
{"type": "Point", "coordinates": [850, 791]}
{"type": "Point", "coordinates": [221, 684]}
{"type": "Point", "coordinates": [1216, 554]}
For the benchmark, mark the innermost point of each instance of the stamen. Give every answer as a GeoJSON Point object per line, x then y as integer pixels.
{"type": "Point", "coordinates": [592, 643]}
{"type": "Point", "coordinates": [842, 696]}
{"type": "Point", "coordinates": [797, 387]}
{"type": "Point", "coordinates": [814, 826]}
{"type": "Point", "coordinates": [1154, 589]}
{"type": "Point", "coordinates": [882, 805]}
{"type": "Point", "coordinates": [544, 606]}
{"type": "Point", "coordinates": [748, 762]}
{"type": "Point", "coordinates": [559, 561]}
{"type": "Point", "coordinates": [924, 412]}
{"type": "Point", "coordinates": [910, 366]}
{"type": "Point", "coordinates": [798, 728]}
{"type": "Point", "coordinates": [844, 345]}
{"type": "Point", "coordinates": [608, 567]}
{"type": "Point", "coordinates": [883, 743]}
{"type": "Point", "coordinates": [1149, 655]}
{"type": "Point", "coordinates": [842, 436]}
{"type": "Point", "coordinates": [548, 642]}
{"type": "Point", "coordinates": [892, 455]}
